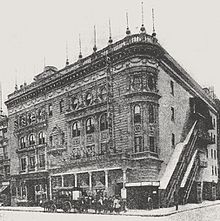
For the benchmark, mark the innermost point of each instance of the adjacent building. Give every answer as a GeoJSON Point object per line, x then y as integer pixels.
{"type": "Point", "coordinates": [126, 120]}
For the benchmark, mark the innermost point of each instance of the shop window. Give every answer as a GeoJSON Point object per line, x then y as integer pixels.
{"type": "Point", "coordinates": [75, 103]}
{"type": "Point", "coordinates": [61, 106]}
{"type": "Point", "coordinates": [32, 162]}
{"type": "Point", "coordinates": [23, 164]}
{"type": "Point", "coordinates": [76, 129]}
{"type": "Point", "coordinates": [41, 138]}
{"type": "Point", "coordinates": [137, 114]}
{"type": "Point", "coordinates": [138, 145]}
{"type": "Point", "coordinates": [90, 126]}
{"type": "Point", "coordinates": [151, 114]}
{"type": "Point", "coordinates": [172, 114]}
{"type": "Point", "coordinates": [103, 122]}
{"type": "Point", "coordinates": [50, 110]}
{"type": "Point", "coordinates": [41, 160]}
{"type": "Point", "coordinates": [88, 99]}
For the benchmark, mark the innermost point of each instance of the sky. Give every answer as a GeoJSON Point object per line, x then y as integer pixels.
{"type": "Point", "coordinates": [38, 32]}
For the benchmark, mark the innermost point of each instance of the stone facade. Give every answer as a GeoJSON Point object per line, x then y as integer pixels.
{"type": "Point", "coordinates": [110, 122]}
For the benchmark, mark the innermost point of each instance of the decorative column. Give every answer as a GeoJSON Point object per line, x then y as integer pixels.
{"type": "Point", "coordinates": [124, 191]}
{"type": "Point", "coordinates": [90, 181]}
{"type": "Point", "coordinates": [62, 181]}
{"type": "Point", "coordinates": [50, 188]}
{"type": "Point", "coordinates": [75, 185]}
{"type": "Point", "coordinates": [106, 180]}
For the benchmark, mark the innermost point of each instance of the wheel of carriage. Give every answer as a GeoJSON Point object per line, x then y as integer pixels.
{"type": "Point", "coordinates": [67, 207]}
{"type": "Point", "coordinates": [53, 208]}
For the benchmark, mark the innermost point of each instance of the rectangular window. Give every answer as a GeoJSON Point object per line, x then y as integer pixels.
{"type": "Point", "coordinates": [172, 114]}
{"type": "Point", "coordinates": [212, 153]}
{"type": "Point", "coordinates": [152, 144]}
{"type": "Point", "coordinates": [215, 170]}
{"type": "Point", "coordinates": [50, 110]}
{"type": "Point", "coordinates": [23, 164]}
{"type": "Point", "coordinates": [41, 161]}
{"type": "Point", "coordinates": [173, 140]}
{"type": "Point", "coordinates": [172, 87]}
{"type": "Point", "coordinates": [212, 170]}
{"type": "Point", "coordinates": [215, 154]}
{"type": "Point", "coordinates": [32, 162]}
{"type": "Point", "coordinates": [138, 147]}
{"type": "Point", "coordinates": [214, 123]}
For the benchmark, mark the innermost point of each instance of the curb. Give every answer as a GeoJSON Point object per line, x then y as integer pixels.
{"type": "Point", "coordinates": [121, 214]}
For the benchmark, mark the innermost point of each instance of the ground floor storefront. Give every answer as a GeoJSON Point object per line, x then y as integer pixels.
{"type": "Point", "coordinates": [29, 189]}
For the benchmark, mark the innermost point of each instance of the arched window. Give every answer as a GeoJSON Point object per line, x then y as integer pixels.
{"type": "Point", "coordinates": [75, 103]}
{"type": "Point", "coordinates": [61, 106]}
{"type": "Point", "coordinates": [137, 114]}
{"type": "Point", "coordinates": [31, 139]}
{"type": "Point", "coordinates": [41, 138]}
{"type": "Point", "coordinates": [76, 129]}
{"type": "Point", "coordinates": [22, 142]}
{"type": "Point", "coordinates": [88, 99]}
{"type": "Point", "coordinates": [103, 122]}
{"type": "Point", "coordinates": [103, 94]}
{"type": "Point", "coordinates": [90, 126]}
{"type": "Point", "coordinates": [151, 114]}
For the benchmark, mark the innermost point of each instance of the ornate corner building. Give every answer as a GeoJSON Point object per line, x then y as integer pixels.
{"type": "Point", "coordinates": [126, 120]}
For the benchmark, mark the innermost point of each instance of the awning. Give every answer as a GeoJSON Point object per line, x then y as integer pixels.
{"type": "Point", "coordinates": [147, 183]}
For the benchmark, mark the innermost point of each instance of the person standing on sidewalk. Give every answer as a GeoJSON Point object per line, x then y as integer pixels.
{"type": "Point", "coordinates": [176, 199]}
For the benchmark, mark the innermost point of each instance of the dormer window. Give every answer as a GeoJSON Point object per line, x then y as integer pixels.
{"type": "Point", "coordinates": [90, 126]}
{"type": "Point", "coordinates": [151, 114]}
{"type": "Point", "coordinates": [22, 142]}
{"type": "Point", "coordinates": [75, 103]}
{"type": "Point", "coordinates": [31, 140]}
{"type": "Point", "coordinates": [76, 129]}
{"type": "Point", "coordinates": [137, 114]}
{"type": "Point", "coordinates": [61, 106]}
{"type": "Point", "coordinates": [41, 138]}
{"type": "Point", "coordinates": [50, 110]}
{"type": "Point", "coordinates": [103, 94]}
{"type": "Point", "coordinates": [103, 122]}
{"type": "Point", "coordinates": [88, 99]}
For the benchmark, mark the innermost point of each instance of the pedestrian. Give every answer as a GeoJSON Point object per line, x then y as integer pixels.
{"type": "Point", "coordinates": [117, 205]}
{"type": "Point", "coordinates": [176, 199]}
{"type": "Point", "coordinates": [150, 202]}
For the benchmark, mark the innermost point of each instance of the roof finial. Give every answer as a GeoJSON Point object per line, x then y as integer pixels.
{"type": "Point", "coordinates": [16, 83]}
{"type": "Point", "coordinates": [128, 32]}
{"type": "Point", "coordinates": [142, 18]}
{"type": "Point", "coordinates": [95, 47]}
{"type": "Point", "coordinates": [154, 33]}
{"type": "Point", "coordinates": [67, 60]}
{"type": "Point", "coordinates": [110, 33]}
{"type": "Point", "coordinates": [44, 62]}
{"type": "Point", "coordinates": [80, 47]}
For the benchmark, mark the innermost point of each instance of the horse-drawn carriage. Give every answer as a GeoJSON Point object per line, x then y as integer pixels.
{"type": "Point", "coordinates": [65, 198]}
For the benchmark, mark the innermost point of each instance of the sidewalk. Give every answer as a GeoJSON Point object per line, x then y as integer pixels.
{"type": "Point", "coordinates": [144, 213]}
